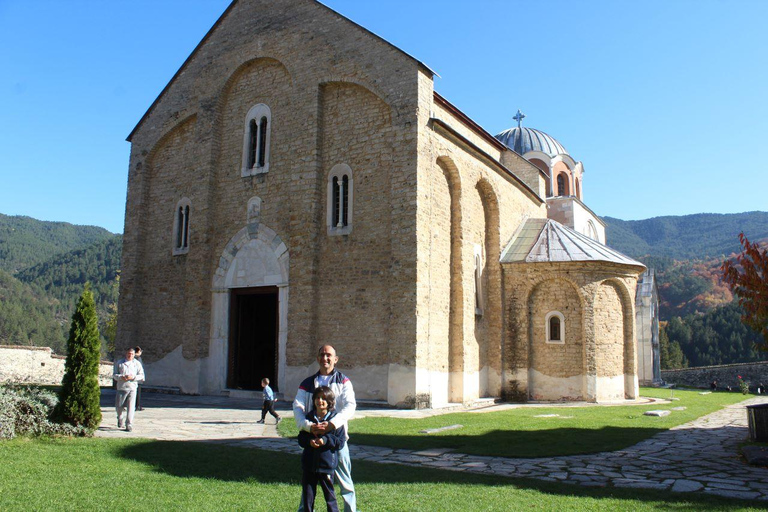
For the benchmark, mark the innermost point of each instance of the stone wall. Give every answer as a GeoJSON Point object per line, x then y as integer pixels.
{"type": "Point", "coordinates": [39, 365]}
{"type": "Point", "coordinates": [469, 207]}
{"type": "Point", "coordinates": [725, 375]}
{"type": "Point", "coordinates": [337, 95]}
{"type": "Point", "coordinates": [597, 361]}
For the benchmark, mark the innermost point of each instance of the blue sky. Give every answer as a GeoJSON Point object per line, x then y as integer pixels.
{"type": "Point", "coordinates": [665, 102]}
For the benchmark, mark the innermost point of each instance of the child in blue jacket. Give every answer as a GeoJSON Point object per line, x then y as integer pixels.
{"type": "Point", "coordinates": [320, 456]}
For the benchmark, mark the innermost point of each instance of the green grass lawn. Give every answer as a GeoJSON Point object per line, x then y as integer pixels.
{"type": "Point", "coordinates": [145, 475]}
{"type": "Point", "coordinates": [520, 433]}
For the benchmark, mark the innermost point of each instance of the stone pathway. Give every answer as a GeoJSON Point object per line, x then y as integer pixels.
{"type": "Point", "coordinates": [700, 456]}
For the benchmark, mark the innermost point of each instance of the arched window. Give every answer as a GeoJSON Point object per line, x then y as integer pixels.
{"type": "Point", "coordinates": [181, 227]}
{"type": "Point", "coordinates": [340, 195]}
{"type": "Point", "coordinates": [592, 231]}
{"type": "Point", "coordinates": [555, 325]}
{"type": "Point", "coordinates": [562, 184]}
{"type": "Point", "coordinates": [256, 140]}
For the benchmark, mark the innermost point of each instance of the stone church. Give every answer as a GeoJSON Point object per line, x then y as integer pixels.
{"type": "Point", "coordinates": [300, 182]}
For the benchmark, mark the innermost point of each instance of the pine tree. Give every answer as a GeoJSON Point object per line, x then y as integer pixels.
{"type": "Point", "coordinates": [80, 394]}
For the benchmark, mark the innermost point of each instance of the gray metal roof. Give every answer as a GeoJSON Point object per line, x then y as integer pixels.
{"type": "Point", "coordinates": [548, 241]}
{"type": "Point", "coordinates": [521, 140]}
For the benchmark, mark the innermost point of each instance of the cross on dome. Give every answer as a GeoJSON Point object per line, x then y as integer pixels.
{"type": "Point", "coordinates": [519, 118]}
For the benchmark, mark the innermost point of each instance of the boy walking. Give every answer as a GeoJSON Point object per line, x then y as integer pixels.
{"type": "Point", "coordinates": [269, 402]}
{"type": "Point", "coordinates": [321, 452]}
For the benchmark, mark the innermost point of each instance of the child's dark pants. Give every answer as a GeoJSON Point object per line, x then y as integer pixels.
{"type": "Point", "coordinates": [309, 483]}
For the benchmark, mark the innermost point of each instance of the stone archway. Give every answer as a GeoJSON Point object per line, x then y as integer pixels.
{"type": "Point", "coordinates": [254, 258]}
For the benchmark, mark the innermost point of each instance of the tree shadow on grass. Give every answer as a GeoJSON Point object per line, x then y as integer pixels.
{"type": "Point", "coordinates": [382, 482]}
{"type": "Point", "coordinates": [519, 443]}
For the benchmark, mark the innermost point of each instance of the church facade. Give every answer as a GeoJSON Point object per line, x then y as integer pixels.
{"type": "Point", "coordinates": [299, 182]}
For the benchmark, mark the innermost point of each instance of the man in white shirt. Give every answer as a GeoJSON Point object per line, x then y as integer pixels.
{"type": "Point", "coordinates": [128, 374]}
{"type": "Point", "coordinates": [345, 409]}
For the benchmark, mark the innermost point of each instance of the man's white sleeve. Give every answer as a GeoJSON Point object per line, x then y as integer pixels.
{"type": "Point", "coordinates": [348, 411]}
{"type": "Point", "coordinates": [300, 411]}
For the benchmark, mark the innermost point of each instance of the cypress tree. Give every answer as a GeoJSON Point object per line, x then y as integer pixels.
{"type": "Point", "coordinates": [79, 400]}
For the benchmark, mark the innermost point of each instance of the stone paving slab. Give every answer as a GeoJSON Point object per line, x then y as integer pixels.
{"type": "Point", "coordinates": [699, 456]}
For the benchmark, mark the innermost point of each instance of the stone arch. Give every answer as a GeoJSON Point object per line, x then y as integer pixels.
{"type": "Point", "coordinates": [239, 265]}
{"type": "Point", "coordinates": [456, 293]}
{"type": "Point", "coordinates": [228, 121]}
{"type": "Point", "coordinates": [544, 166]}
{"type": "Point", "coordinates": [247, 66]}
{"type": "Point", "coordinates": [491, 340]}
{"type": "Point", "coordinates": [326, 91]}
{"type": "Point", "coordinates": [555, 371]}
{"type": "Point", "coordinates": [630, 353]}
{"type": "Point", "coordinates": [614, 342]}
{"type": "Point", "coordinates": [254, 257]}
{"type": "Point", "coordinates": [561, 170]}
{"type": "Point", "coordinates": [362, 84]}
{"type": "Point", "coordinates": [187, 123]}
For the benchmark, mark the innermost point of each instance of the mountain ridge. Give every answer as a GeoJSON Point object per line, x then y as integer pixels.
{"type": "Point", "coordinates": [682, 237]}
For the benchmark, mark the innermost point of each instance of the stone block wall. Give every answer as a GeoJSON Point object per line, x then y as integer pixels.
{"type": "Point", "coordinates": [39, 365]}
{"type": "Point", "coordinates": [339, 96]}
{"type": "Point", "coordinates": [597, 360]}
{"type": "Point", "coordinates": [725, 375]}
{"type": "Point", "coordinates": [468, 208]}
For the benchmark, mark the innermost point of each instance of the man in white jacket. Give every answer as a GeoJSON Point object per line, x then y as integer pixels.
{"type": "Point", "coordinates": [128, 373]}
{"type": "Point", "coordinates": [345, 409]}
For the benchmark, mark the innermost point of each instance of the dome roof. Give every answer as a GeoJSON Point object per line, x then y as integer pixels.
{"type": "Point", "coordinates": [521, 140]}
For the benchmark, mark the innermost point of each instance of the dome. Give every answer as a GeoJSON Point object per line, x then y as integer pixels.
{"type": "Point", "coordinates": [522, 140]}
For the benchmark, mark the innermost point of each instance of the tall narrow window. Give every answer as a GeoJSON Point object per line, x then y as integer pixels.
{"type": "Point", "coordinates": [336, 197]}
{"type": "Point", "coordinates": [344, 200]}
{"type": "Point", "coordinates": [262, 141]}
{"type": "Point", "coordinates": [256, 140]}
{"type": "Point", "coordinates": [181, 227]}
{"type": "Point", "coordinates": [560, 185]}
{"type": "Point", "coordinates": [340, 199]}
{"type": "Point", "coordinates": [555, 326]}
{"type": "Point", "coordinates": [185, 239]}
{"type": "Point", "coordinates": [554, 329]}
{"type": "Point", "coordinates": [253, 139]}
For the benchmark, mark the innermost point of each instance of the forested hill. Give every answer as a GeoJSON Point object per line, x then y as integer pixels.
{"type": "Point", "coordinates": [699, 236]}
{"type": "Point", "coordinates": [43, 269]}
{"type": "Point", "coordinates": [64, 276]}
{"type": "Point", "coordinates": [25, 241]}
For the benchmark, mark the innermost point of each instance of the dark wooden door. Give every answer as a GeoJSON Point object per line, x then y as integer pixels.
{"type": "Point", "coordinates": [253, 338]}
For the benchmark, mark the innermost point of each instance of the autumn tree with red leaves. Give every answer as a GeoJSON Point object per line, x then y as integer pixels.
{"type": "Point", "coordinates": [747, 277]}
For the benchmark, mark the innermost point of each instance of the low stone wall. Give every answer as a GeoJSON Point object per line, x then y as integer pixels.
{"type": "Point", "coordinates": [39, 365]}
{"type": "Point", "coordinates": [726, 375]}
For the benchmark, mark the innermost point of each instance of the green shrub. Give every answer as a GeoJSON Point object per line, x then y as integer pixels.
{"type": "Point", "coordinates": [79, 401]}
{"type": "Point", "coordinates": [27, 412]}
